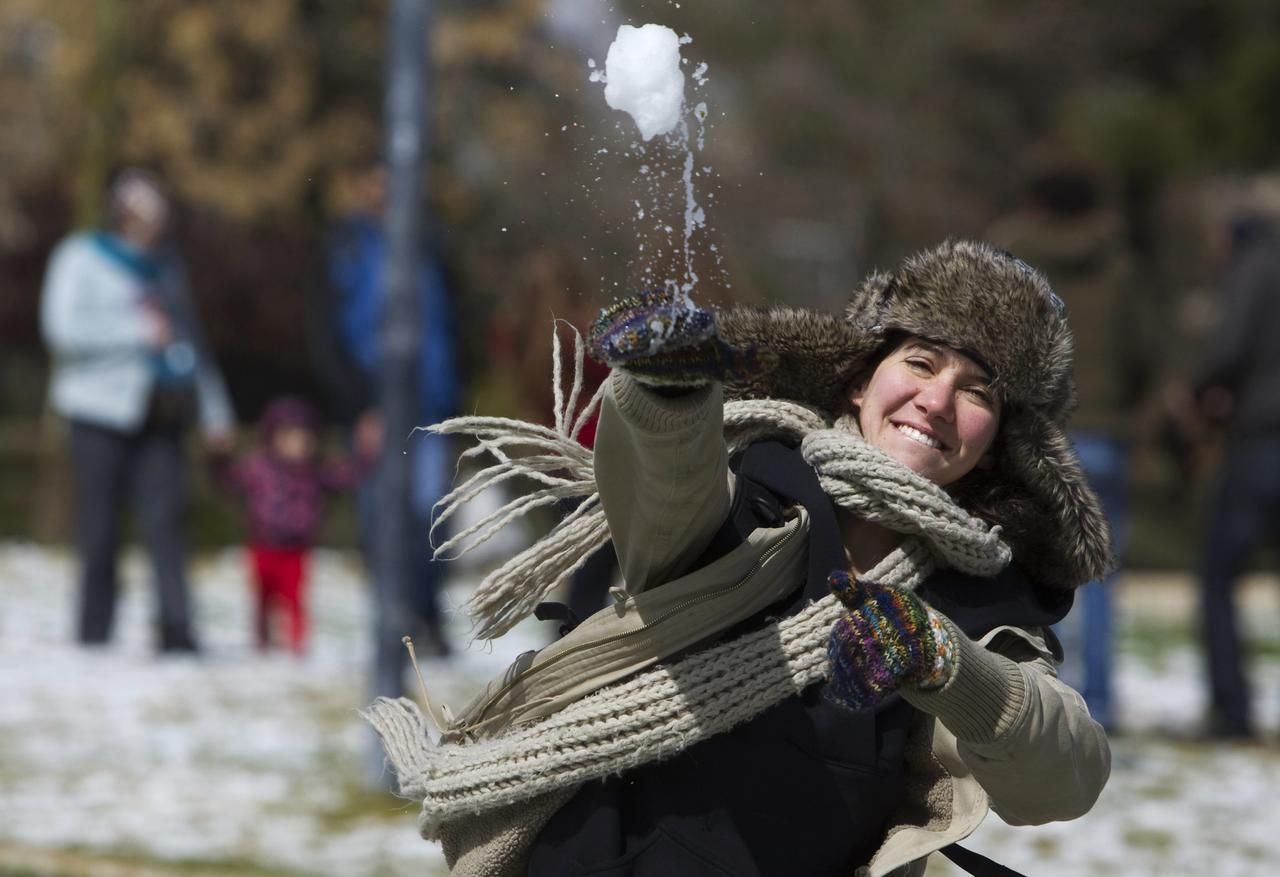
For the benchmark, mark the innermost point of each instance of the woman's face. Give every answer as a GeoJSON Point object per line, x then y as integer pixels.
{"type": "Point", "coordinates": [931, 408]}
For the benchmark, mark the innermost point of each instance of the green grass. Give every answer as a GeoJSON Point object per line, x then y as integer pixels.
{"type": "Point", "coordinates": [1163, 791]}
{"type": "Point", "coordinates": [1153, 641]}
{"type": "Point", "coordinates": [1047, 847]}
{"type": "Point", "coordinates": [1149, 839]}
{"type": "Point", "coordinates": [356, 804]}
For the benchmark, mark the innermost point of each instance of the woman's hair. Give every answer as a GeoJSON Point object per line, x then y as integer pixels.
{"type": "Point", "coordinates": [892, 341]}
{"type": "Point", "coordinates": [990, 494]}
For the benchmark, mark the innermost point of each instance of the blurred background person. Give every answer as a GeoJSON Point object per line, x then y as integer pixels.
{"type": "Point", "coordinates": [1064, 227]}
{"type": "Point", "coordinates": [356, 267]}
{"type": "Point", "coordinates": [131, 374]}
{"type": "Point", "coordinates": [284, 486]}
{"type": "Point", "coordinates": [1239, 388]}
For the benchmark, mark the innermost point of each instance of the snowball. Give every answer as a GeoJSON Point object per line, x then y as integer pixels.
{"type": "Point", "coordinates": [643, 78]}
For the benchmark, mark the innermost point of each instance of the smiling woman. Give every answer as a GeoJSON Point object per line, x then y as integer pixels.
{"type": "Point", "coordinates": [929, 407]}
{"type": "Point", "coordinates": [822, 659]}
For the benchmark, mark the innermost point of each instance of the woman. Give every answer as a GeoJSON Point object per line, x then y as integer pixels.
{"type": "Point", "coordinates": [131, 373]}
{"type": "Point", "coordinates": [822, 659]}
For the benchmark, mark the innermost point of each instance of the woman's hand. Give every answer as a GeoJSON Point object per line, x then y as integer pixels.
{"type": "Point", "coordinates": [887, 639]}
{"type": "Point", "coordinates": [664, 342]}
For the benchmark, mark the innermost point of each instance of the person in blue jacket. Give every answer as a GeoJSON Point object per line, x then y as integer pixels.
{"type": "Point", "coordinates": [131, 373]}
{"type": "Point", "coordinates": [357, 255]}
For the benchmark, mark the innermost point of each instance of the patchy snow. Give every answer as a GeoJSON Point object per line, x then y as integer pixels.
{"type": "Point", "coordinates": [231, 756]}
{"type": "Point", "coordinates": [238, 760]}
{"type": "Point", "coordinates": [1174, 804]}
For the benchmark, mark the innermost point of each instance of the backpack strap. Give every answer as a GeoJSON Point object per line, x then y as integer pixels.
{"type": "Point", "coordinates": [769, 472]}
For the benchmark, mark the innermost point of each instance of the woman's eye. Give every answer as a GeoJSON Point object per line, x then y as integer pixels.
{"type": "Point", "coordinates": [920, 364]}
{"type": "Point", "coordinates": [982, 394]}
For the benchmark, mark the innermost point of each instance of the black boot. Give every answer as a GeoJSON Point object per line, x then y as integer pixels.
{"type": "Point", "coordinates": [176, 639]}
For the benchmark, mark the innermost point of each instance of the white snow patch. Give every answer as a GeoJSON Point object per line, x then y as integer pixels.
{"type": "Point", "coordinates": [229, 756]}
{"type": "Point", "coordinates": [234, 756]}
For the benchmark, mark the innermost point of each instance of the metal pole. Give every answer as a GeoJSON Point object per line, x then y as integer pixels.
{"type": "Point", "coordinates": [405, 134]}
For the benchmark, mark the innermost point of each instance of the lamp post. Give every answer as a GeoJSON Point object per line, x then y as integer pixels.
{"type": "Point", "coordinates": [405, 152]}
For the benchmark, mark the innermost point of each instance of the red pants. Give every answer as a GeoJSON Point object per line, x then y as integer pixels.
{"type": "Point", "coordinates": [280, 574]}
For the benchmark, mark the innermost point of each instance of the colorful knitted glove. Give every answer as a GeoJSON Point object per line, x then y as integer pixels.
{"type": "Point", "coordinates": [661, 342]}
{"type": "Point", "coordinates": [887, 639]}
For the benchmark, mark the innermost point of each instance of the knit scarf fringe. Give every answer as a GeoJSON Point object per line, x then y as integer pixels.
{"type": "Point", "coordinates": [667, 708]}
{"type": "Point", "coordinates": [561, 470]}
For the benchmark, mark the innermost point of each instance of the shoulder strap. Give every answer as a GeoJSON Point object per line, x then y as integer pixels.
{"type": "Point", "coordinates": [975, 863]}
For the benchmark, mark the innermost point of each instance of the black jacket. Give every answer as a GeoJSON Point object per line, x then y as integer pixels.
{"type": "Point", "coordinates": [1244, 357]}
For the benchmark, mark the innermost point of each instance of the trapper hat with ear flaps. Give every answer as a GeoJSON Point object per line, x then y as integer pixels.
{"type": "Point", "coordinates": [997, 309]}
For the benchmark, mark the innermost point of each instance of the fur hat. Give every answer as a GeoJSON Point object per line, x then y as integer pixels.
{"type": "Point", "coordinates": [1003, 313]}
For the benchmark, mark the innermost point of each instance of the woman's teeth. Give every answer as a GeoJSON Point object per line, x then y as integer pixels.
{"type": "Point", "coordinates": [912, 433]}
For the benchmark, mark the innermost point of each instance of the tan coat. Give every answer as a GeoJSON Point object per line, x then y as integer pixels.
{"type": "Point", "coordinates": [1003, 734]}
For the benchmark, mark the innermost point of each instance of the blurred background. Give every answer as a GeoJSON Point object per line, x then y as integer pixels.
{"type": "Point", "coordinates": [839, 137]}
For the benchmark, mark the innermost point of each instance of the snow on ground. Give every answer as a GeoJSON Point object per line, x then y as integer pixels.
{"type": "Point", "coordinates": [114, 761]}
{"type": "Point", "coordinates": [230, 757]}
{"type": "Point", "coordinates": [1174, 805]}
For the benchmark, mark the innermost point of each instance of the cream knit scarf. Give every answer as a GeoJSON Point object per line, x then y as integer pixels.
{"type": "Point", "coordinates": [664, 710]}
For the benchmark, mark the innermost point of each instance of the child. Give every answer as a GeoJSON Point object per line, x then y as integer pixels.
{"type": "Point", "coordinates": [284, 486]}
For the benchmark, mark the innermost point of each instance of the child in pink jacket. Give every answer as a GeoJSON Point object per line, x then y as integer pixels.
{"type": "Point", "coordinates": [284, 487]}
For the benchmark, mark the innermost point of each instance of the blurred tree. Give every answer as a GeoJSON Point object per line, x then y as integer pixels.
{"type": "Point", "coordinates": [931, 105]}
{"type": "Point", "coordinates": [841, 134]}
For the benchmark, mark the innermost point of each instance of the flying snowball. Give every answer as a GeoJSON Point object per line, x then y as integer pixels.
{"type": "Point", "coordinates": [643, 77]}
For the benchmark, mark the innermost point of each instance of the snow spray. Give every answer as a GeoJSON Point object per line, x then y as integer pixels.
{"type": "Point", "coordinates": [642, 78]}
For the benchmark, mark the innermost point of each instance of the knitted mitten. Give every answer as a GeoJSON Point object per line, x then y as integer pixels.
{"type": "Point", "coordinates": [887, 639]}
{"type": "Point", "coordinates": [661, 342]}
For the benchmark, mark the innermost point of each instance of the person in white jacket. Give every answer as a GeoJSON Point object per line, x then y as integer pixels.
{"type": "Point", "coordinates": [131, 374]}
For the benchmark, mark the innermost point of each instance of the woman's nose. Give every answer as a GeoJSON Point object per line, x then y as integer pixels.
{"type": "Point", "coordinates": [937, 398]}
